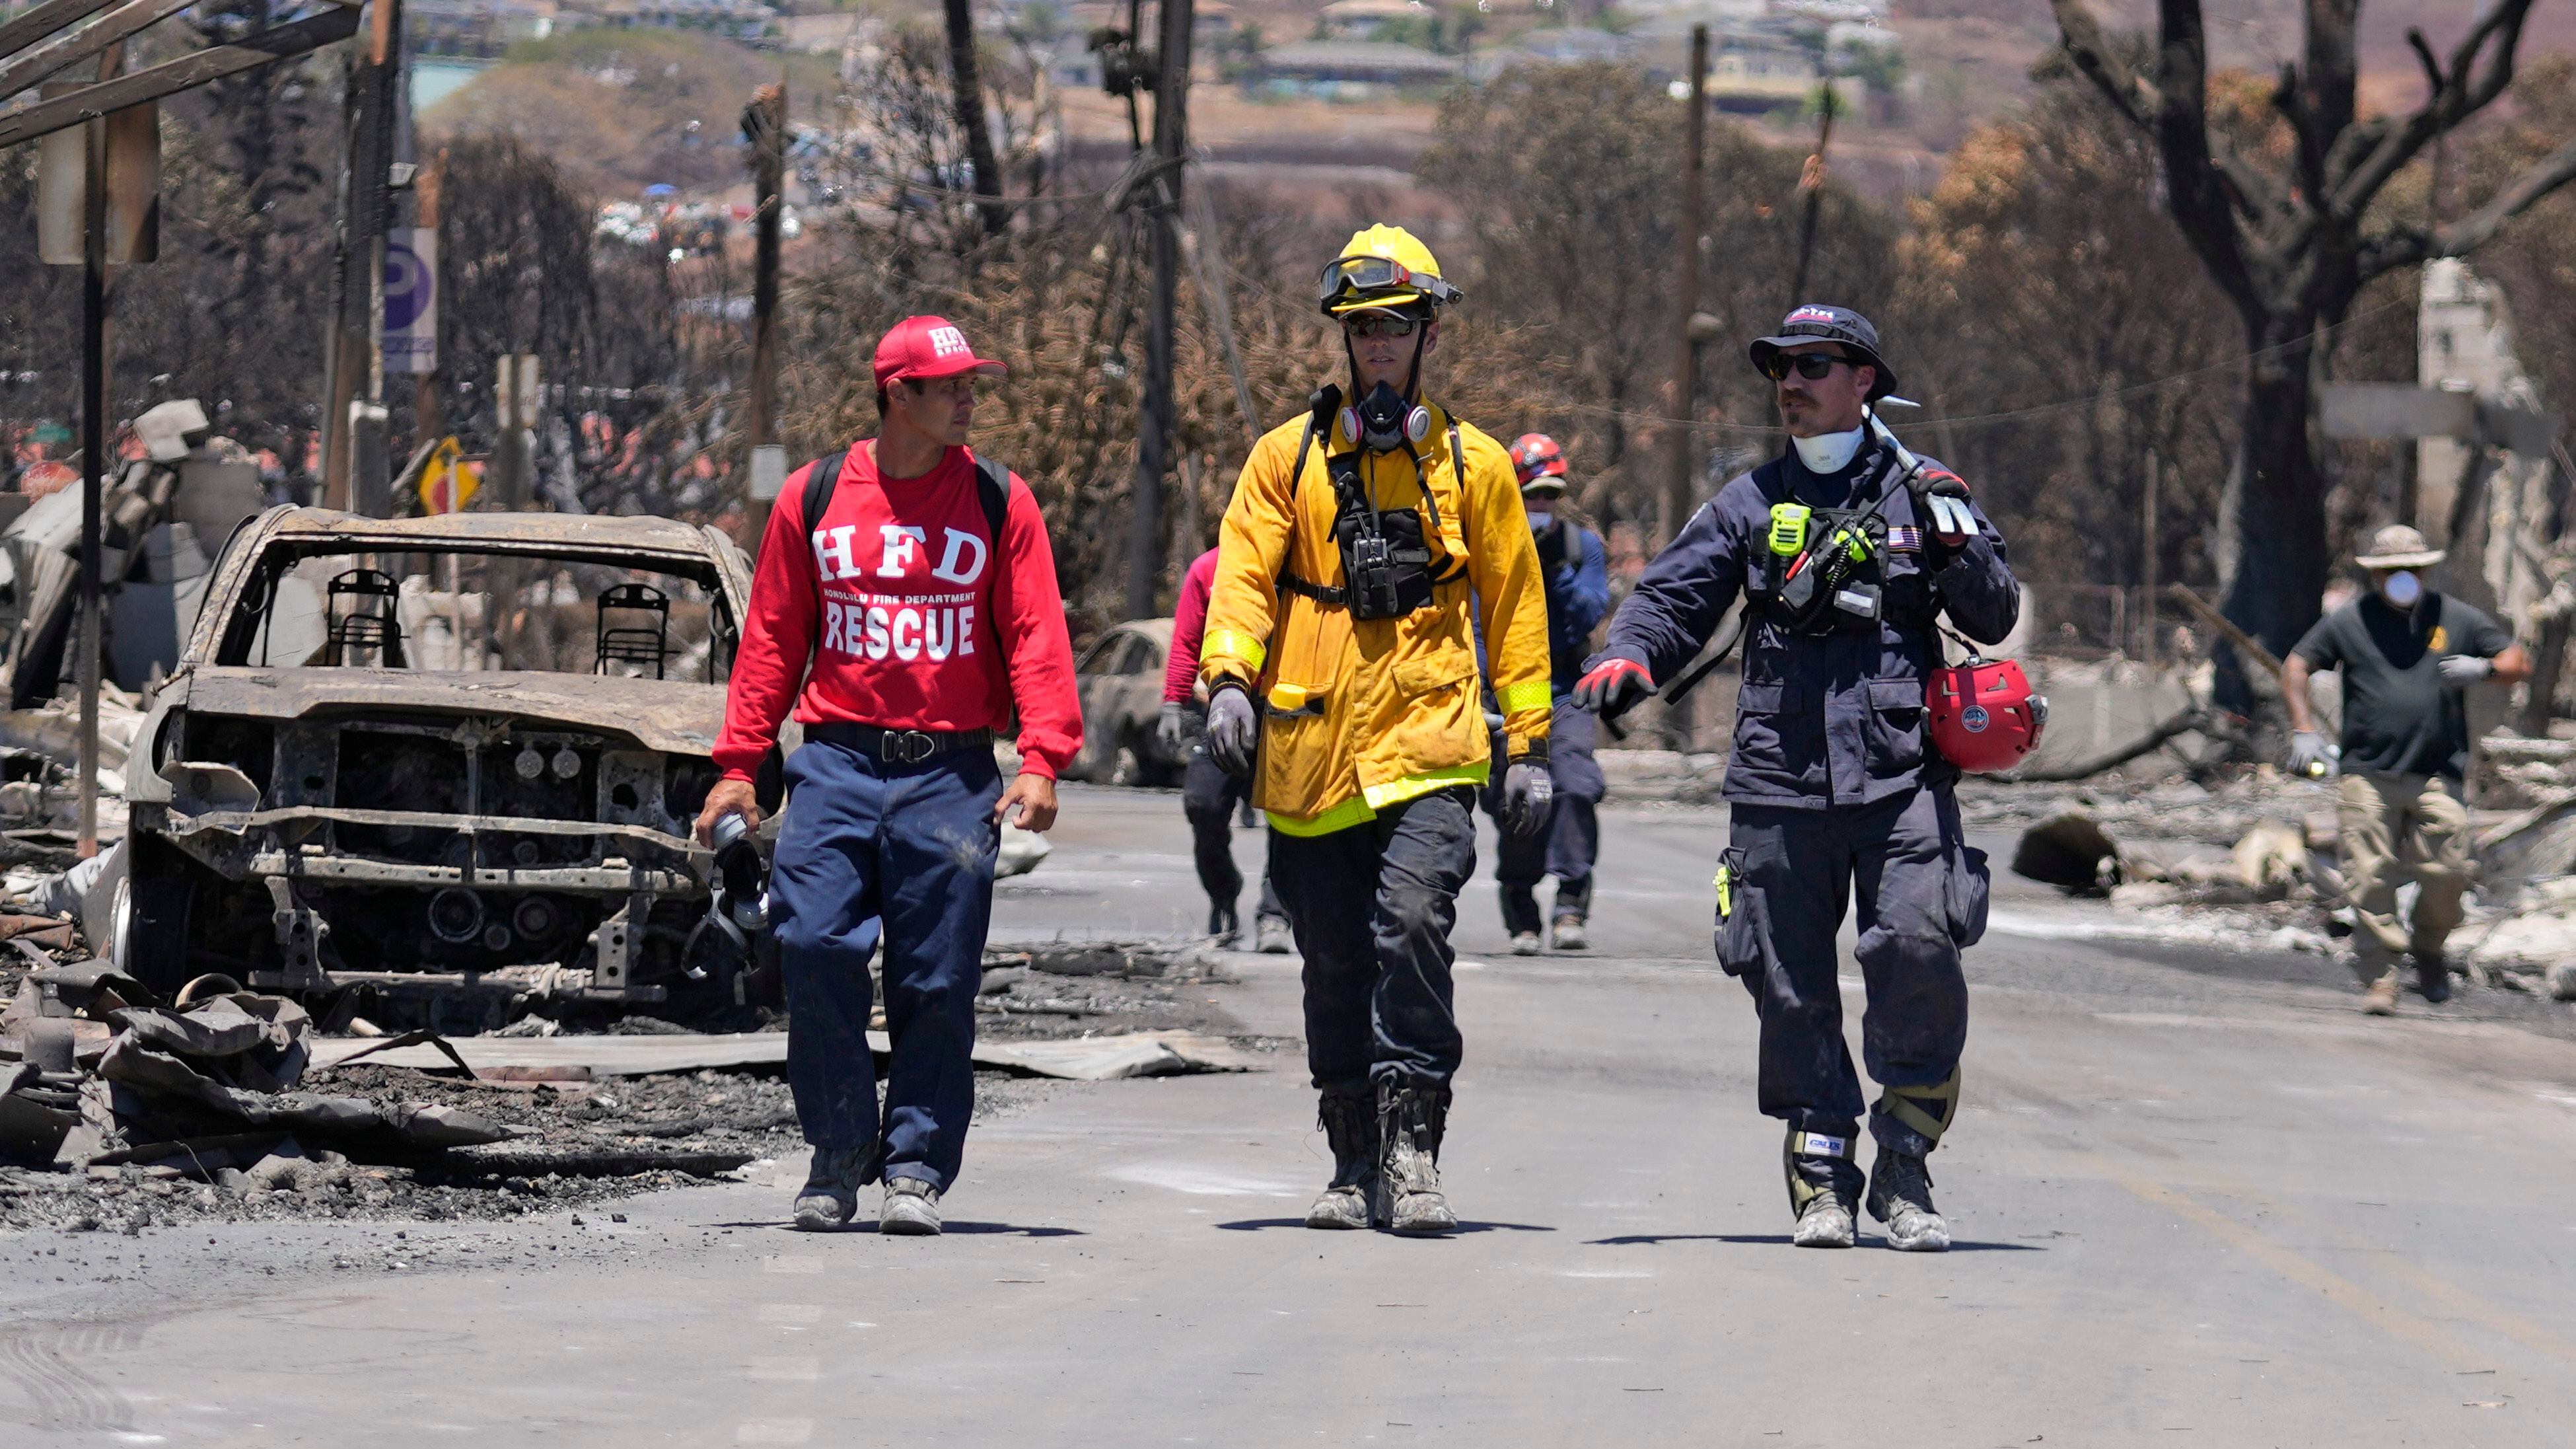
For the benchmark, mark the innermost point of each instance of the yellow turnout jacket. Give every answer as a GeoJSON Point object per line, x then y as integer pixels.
{"type": "Point", "coordinates": [1359, 715]}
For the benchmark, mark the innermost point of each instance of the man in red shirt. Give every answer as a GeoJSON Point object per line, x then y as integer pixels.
{"type": "Point", "coordinates": [1208, 794]}
{"type": "Point", "coordinates": [922, 630]}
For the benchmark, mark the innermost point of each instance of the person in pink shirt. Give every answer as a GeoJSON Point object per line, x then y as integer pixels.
{"type": "Point", "coordinates": [1209, 796]}
{"type": "Point", "coordinates": [904, 604]}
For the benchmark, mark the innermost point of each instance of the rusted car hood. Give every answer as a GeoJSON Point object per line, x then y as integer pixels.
{"type": "Point", "coordinates": [673, 716]}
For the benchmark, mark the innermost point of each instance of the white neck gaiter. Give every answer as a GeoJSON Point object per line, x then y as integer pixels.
{"type": "Point", "coordinates": [1830, 453]}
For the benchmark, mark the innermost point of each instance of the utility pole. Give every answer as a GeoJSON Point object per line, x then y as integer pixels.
{"type": "Point", "coordinates": [93, 464]}
{"type": "Point", "coordinates": [1154, 433]}
{"type": "Point", "coordinates": [352, 446]}
{"type": "Point", "coordinates": [1812, 181]}
{"type": "Point", "coordinates": [765, 122]}
{"type": "Point", "coordinates": [1677, 483]}
{"type": "Point", "coordinates": [2147, 563]}
{"type": "Point", "coordinates": [427, 421]}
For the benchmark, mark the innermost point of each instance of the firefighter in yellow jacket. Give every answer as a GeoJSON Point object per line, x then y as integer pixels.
{"type": "Point", "coordinates": [1340, 640]}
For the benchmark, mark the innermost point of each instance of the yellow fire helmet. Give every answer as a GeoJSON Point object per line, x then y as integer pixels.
{"type": "Point", "coordinates": [1383, 266]}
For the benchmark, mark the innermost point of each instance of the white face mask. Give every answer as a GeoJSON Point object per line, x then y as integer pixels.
{"type": "Point", "coordinates": [2402, 588]}
{"type": "Point", "coordinates": [1828, 454]}
{"type": "Point", "coordinates": [1539, 519]}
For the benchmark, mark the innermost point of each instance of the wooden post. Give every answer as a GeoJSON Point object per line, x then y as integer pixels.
{"type": "Point", "coordinates": [426, 412]}
{"type": "Point", "coordinates": [765, 122]}
{"type": "Point", "coordinates": [94, 426]}
{"type": "Point", "coordinates": [1677, 480]}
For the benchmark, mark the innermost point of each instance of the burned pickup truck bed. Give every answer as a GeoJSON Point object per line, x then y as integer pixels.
{"type": "Point", "coordinates": [359, 815]}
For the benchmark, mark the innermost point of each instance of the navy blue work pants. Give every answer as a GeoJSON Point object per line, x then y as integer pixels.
{"type": "Point", "coordinates": [905, 851]}
{"type": "Point", "coordinates": [1572, 840]}
{"type": "Point", "coordinates": [1371, 907]}
{"type": "Point", "coordinates": [1208, 797]}
{"type": "Point", "coordinates": [1922, 896]}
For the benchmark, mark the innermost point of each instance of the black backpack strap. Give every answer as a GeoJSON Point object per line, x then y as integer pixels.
{"type": "Point", "coordinates": [1321, 404]}
{"type": "Point", "coordinates": [822, 477]}
{"type": "Point", "coordinates": [993, 490]}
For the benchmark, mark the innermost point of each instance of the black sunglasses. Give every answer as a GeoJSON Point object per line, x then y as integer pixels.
{"type": "Point", "coordinates": [1380, 324]}
{"type": "Point", "coordinates": [1812, 366]}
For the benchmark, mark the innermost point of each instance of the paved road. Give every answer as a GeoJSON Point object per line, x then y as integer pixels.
{"type": "Point", "coordinates": [2198, 1200]}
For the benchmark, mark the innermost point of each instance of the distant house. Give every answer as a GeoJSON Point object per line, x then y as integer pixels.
{"type": "Point", "coordinates": [1570, 46]}
{"type": "Point", "coordinates": [1362, 19]}
{"type": "Point", "coordinates": [475, 27]}
{"type": "Point", "coordinates": [1348, 69]}
{"type": "Point", "coordinates": [733, 19]}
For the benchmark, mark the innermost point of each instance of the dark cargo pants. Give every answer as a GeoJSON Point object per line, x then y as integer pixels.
{"type": "Point", "coordinates": [1372, 906]}
{"type": "Point", "coordinates": [1208, 797]}
{"type": "Point", "coordinates": [1922, 895]}
{"type": "Point", "coordinates": [1572, 840]}
{"type": "Point", "coordinates": [905, 851]}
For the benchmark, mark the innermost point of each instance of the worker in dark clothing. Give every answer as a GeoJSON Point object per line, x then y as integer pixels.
{"type": "Point", "coordinates": [904, 603]}
{"type": "Point", "coordinates": [2407, 655]}
{"type": "Point", "coordinates": [1208, 794]}
{"type": "Point", "coordinates": [1576, 570]}
{"type": "Point", "coordinates": [1845, 558]}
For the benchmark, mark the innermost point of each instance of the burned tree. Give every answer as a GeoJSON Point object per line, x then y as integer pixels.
{"type": "Point", "coordinates": [2292, 243]}
{"type": "Point", "coordinates": [970, 115]}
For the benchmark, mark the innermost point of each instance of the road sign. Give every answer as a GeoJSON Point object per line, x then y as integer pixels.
{"type": "Point", "coordinates": [449, 482]}
{"type": "Point", "coordinates": [411, 299]}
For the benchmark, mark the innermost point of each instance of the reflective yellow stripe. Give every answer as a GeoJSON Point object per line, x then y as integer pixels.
{"type": "Point", "coordinates": [1354, 811]}
{"type": "Point", "coordinates": [1363, 807]}
{"type": "Point", "coordinates": [1235, 644]}
{"type": "Point", "coordinates": [1528, 694]}
{"type": "Point", "coordinates": [1396, 792]}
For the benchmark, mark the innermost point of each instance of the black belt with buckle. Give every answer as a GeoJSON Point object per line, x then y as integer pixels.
{"type": "Point", "coordinates": [898, 747]}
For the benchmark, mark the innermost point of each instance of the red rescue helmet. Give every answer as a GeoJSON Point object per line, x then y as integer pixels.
{"type": "Point", "coordinates": [1536, 456]}
{"type": "Point", "coordinates": [1984, 717]}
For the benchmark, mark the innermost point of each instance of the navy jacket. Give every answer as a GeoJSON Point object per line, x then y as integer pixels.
{"type": "Point", "coordinates": [1830, 720]}
{"type": "Point", "coordinates": [1577, 569]}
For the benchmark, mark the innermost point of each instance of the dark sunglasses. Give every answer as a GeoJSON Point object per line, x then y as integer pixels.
{"type": "Point", "coordinates": [1813, 366]}
{"type": "Point", "coordinates": [1380, 324]}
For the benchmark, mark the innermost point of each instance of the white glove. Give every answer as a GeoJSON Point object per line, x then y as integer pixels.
{"type": "Point", "coordinates": [2462, 670]}
{"type": "Point", "coordinates": [2310, 756]}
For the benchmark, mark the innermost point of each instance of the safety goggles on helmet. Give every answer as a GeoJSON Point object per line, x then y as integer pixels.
{"type": "Point", "coordinates": [1355, 278]}
{"type": "Point", "coordinates": [1813, 366]}
{"type": "Point", "coordinates": [1376, 322]}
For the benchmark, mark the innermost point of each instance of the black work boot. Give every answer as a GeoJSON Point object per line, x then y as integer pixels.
{"type": "Point", "coordinates": [1824, 1183]}
{"type": "Point", "coordinates": [1411, 1119]}
{"type": "Point", "coordinates": [1349, 1120]}
{"type": "Point", "coordinates": [2433, 976]}
{"type": "Point", "coordinates": [1223, 926]}
{"type": "Point", "coordinates": [1900, 1195]}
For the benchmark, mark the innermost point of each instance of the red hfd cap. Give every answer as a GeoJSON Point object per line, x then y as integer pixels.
{"type": "Point", "coordinates": [926, 347]}
{"type": "Point", "coordinates": [1984, 717]}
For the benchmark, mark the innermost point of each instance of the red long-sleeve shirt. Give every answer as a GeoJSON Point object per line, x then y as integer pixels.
{"type": "Point", "coordinates": [913, 627]}
{"type": "Point", "coordinates": [1189, 624]}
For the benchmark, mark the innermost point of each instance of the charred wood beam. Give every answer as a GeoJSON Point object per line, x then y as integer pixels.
{"type": "Point", "coordinates": [72, 45]}
{"type": "Point", "coordinates": [2189, 718]}
{"type": "Point", "coordinates": [17, 34]}
{"type": "Point", "coordinates": [191, 70]}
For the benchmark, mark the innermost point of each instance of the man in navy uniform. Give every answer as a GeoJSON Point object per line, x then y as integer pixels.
{"type": "Point", "coordinates": [1844, 559]}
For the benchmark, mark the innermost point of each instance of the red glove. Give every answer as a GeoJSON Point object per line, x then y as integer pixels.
{"type": "Point", "coordinates": [1612, 687]}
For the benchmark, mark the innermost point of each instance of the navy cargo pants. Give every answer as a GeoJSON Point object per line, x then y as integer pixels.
{"type": "Point", "coordinates": [1371, 907]}
{"type": "Point", "coordinates": [1572, 840]}
{"type": "Point", "coordinates": [906, 850]}
{"type": "Point", "coordinates": [1923, 894]}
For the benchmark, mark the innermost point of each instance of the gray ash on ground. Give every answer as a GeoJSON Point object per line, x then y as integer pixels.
{"type": "Point", "coordinates": [701, 1111]}
{"type": "Point", "coordinates": [1032, 1006]}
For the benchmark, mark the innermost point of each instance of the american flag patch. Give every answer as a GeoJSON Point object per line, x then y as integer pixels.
{"type": "Point", "coordinates": [1905, 538]}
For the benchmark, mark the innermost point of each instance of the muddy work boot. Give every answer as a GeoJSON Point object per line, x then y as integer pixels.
{"type": "Point", "coordinates": [2433, 976]}
{"type": "Point", "coordinates": [911, 1209]}
{"type": "Point", "coordinates": [1900, 1195]}
{"type": "Point", "coordinates": [1349, 1121]}
{"type": "Point", "coordinates": [830, 1197]}
{"type": "Point", "coordinates": [2380, 999]}
{"type": "Point", "coordinates": [1411, 1119]}
{"type": "Point", "coordinates": [1823, 1184]}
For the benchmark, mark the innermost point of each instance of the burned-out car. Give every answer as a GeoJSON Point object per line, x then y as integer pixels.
{"type": "Point", "coordinates": [465, 749]}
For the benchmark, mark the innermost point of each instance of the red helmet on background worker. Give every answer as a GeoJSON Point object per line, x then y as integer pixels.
{"type": "Point", "coordinates": [1538, 462]}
